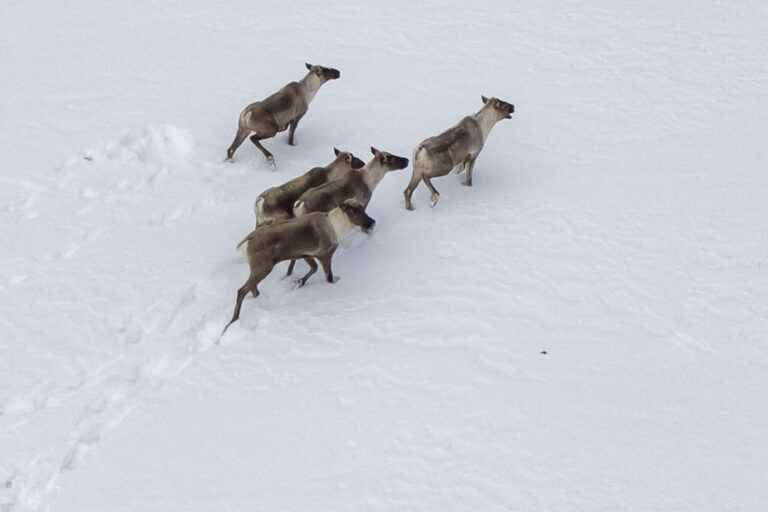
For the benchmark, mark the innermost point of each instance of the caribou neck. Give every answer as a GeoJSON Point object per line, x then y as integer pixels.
{"type": "Point", "coordinates": [340, 223]}
{"type": "Point", "coordinates": [373, 173]}
{"type": "Point", "coordinates": [310, 84]}
{"type": "Point", "coordinates": [487, 118]}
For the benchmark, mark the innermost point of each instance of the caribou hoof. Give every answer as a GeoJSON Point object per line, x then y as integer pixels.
{"type": "Point", "coordinates": [435, 199]}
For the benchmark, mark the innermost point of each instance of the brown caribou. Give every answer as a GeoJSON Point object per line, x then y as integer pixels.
{"type": "Point", "coordinates": [315, 235]}
{"type": "Point", "coordinates": [458, 146]}
{"type": "Point", "coordinates": [280, 111]}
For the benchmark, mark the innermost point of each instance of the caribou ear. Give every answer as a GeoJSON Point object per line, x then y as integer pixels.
{"type": "Point", "coordinates": [336, 151]}
{"type": "Point", "coordinates": [308, 65]}
{"type": "Point", "coordinates": [375, 151]}
{"type": "Point", "coordinates": [485, 100]}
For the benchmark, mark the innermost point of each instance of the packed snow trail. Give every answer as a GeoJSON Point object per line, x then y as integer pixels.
{"type": "Point", "coordinates": [583, 329]}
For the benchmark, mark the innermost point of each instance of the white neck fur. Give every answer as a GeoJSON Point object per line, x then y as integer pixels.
{"type": "Point", "coordinates": [311, 84]}
{"type": "Point", "coordinates": [373, 173]}
{"type": "Point", "coordinates": [340, 223]}
{"type": "Point", "coordinates": [487, 118]}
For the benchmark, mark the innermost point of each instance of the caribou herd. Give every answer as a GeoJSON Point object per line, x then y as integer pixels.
{"type": "Point", "coordinates": [307, 217]}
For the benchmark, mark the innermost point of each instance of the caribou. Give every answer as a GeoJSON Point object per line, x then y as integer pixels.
{"type": "Point", "coordinates": [455, 148]}
{"type": "Point", "coordinates": [315, 235]}
{"type": "Point", "coordinates": [280, 111]}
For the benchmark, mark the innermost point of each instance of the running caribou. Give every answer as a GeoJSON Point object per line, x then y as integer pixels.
{"type": "Point", "coordinates": [280, 111]}
{"type": "Point", "coordinates": [456, 147]}
{"type": "Point", "coordinates": [316, 235]}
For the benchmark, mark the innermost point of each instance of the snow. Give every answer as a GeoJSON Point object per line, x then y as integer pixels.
{"type": "Point", "coordinates": [584, 329]}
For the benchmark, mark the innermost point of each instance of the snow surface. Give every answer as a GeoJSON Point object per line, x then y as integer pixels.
{"type": "Point", "coordinates": [584, 329]}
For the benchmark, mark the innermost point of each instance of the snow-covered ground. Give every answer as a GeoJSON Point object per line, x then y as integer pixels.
{"type": "Point", "coordinates": [584, 329]}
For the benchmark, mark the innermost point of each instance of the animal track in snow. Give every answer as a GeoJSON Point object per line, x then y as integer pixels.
{"type": "Point", "coordinates": [154, 343]}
